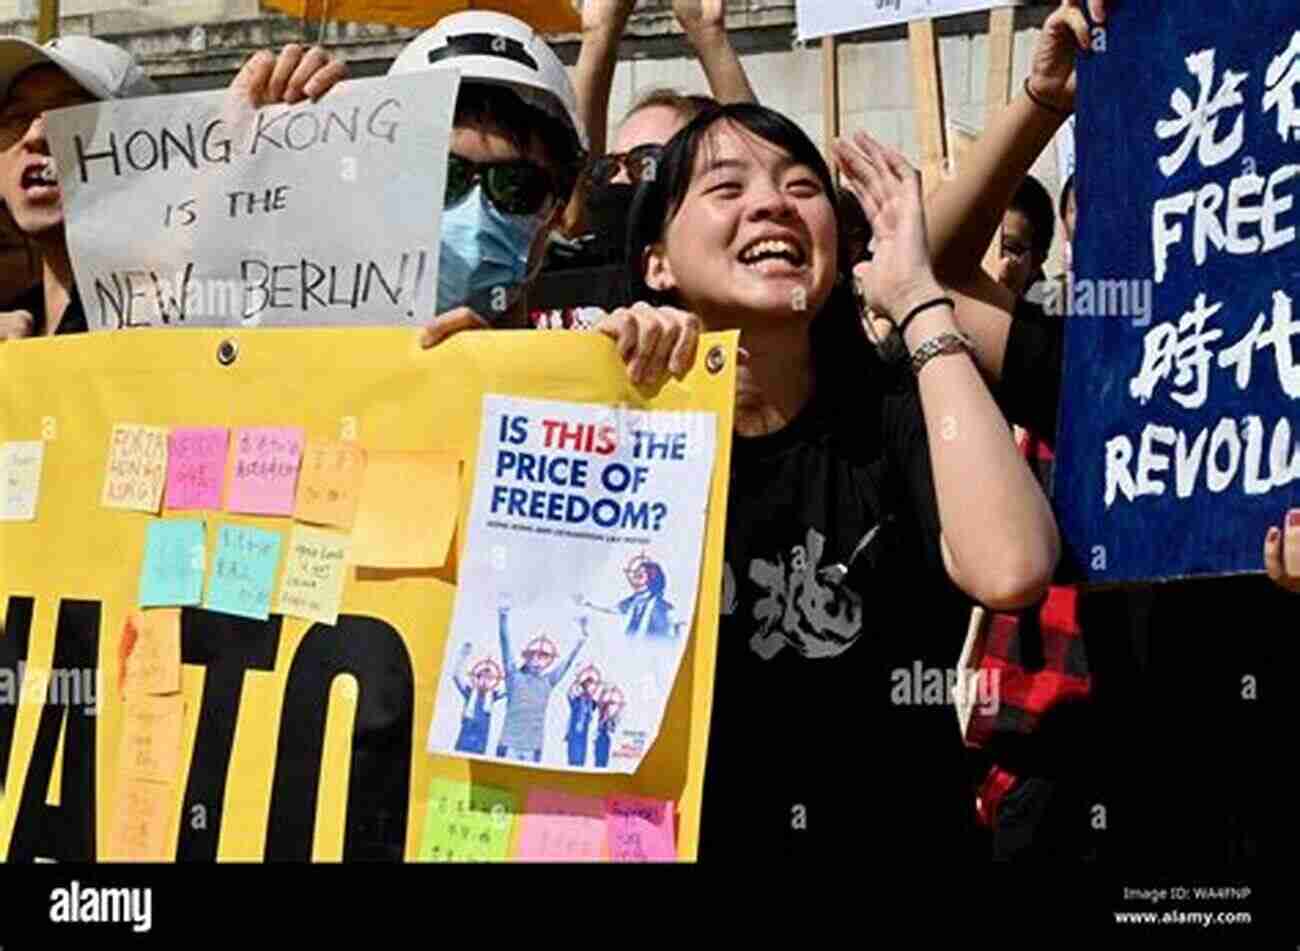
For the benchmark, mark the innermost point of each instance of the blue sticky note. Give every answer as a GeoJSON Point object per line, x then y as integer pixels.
{"type": "Point", "coordinates": [172, 572]}
{"type": "Point", "coordinates": [243, 571]}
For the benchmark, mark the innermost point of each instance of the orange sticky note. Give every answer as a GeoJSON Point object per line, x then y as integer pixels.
{"type": "Point", "coordinates": [329, 483]}
{"type": "Point", "coordinates": [151, 743]}
{"type": "Point", "coordinates": [136, 469]}
{"type": "Point", "coordinates": [140, 821]}
{"type": "Point", "coordinates": [408, 510]}
{"type": "Point", "coordinates": [153, 663]}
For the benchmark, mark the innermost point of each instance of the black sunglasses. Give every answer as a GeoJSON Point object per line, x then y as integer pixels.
{"type": "Point", "coordinates": [516, 188]}
{"type": "Point", "coordinates": [640, 163]}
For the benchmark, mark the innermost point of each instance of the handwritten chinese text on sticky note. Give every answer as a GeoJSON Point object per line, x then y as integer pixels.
{"type": "Point", "coordinates": [329, 486]}
{"type": "Point", "coordinates": [466, 823]}
{"type": "Point", "coordinates": [265, 472]}
{"type": "Point", "coordinates": [20, 480]}
{"type": "Point", "coordinates": [243, 571]}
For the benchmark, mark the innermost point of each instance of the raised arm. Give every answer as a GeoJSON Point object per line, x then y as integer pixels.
{"type": "Point", "coordinates": [997, 534]}
{"type": "Point", "coordinates": [963, 214]}
{"type": "Point", "coordinates": [603, 23]}
{"type": "Point", "coordinates": [705, 23]}
{"type": "Point", "coordinates": [558, 674]}
{"type": "Point", "coordinates": [503, 629]}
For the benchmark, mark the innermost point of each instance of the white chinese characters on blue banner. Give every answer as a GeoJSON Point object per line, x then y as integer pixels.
{"type": "Point", "coordinates": [1179, 441]}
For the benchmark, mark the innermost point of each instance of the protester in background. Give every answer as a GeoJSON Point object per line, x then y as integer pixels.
{"type": "Point", "coordinates": [585, 275]}
{"type": "Point", "coordinates": [1190, 718]}
{"type": "Point", "coordinates": [516, 150]}
{"type": "Point", "coordinates": [856, 513]}
{"type": "Point", "coordinates": [1026, 237]}
{"type": "Point", "coordinates": [77, 70]}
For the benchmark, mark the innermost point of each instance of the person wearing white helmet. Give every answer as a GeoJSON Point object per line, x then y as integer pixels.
{"type": "Point", "coordinates": [517, 149]}
{"type": "Point", "coordinates": [78, 70]}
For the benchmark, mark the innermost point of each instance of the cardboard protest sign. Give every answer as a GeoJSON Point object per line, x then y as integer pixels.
{"type": "Point", "coordinates": [1179, 443]}
{"type": "Point", "coordinates": [297, 739]}
{"type": "Point", "coordinates": [817, 18]}
{"type": "Point", "coordinates": [197, 210]}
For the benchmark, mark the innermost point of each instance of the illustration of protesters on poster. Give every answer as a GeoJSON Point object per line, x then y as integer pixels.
{"type": "Point", "coordinates": [579, 583]}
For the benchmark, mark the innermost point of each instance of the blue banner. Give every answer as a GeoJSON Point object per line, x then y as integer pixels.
{"type": "Point", "coordinates": [1179, 440]}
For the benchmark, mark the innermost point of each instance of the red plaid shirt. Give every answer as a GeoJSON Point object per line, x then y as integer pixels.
{"type": "Point", "coordinates": [1040, 663]}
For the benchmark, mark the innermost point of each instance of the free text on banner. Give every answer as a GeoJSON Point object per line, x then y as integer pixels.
{"type": "Point", "coordinates": [198, 210]}
{"type": "Point", "coordinates": [290, 738]}
{"type": "Point", "coordinates": [817, 18]}
{"type": "Point", "coordinates": [1179, 443]}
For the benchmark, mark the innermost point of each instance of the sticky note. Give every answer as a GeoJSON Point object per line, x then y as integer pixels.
{"type": "Point", "coordinates": [314, 570]}
{"type": "Point", "coordinates": [408, 510]}
{"type": "Point", "coordinates": [558, 827]}
{"type": "Point", "coordinates": [139, 831]}
{"type": "Point", "coordinates": [465, 823]}
{"type": "Point", "coordinates": [243, 571]}
{"type": "Point", "coordinates": [329, 485]}
{"type": "Point", "coordinates": [152, 658]}
{"type": "Point", "coordinates": [20, 480]}
{"type": "Point", "coordinates": [137, 468]}
{"type": "Point", "coordinates": [640, 830]}
{"type": "Point", "coordinates": [172, 572]}
{"type": "Point", "coordinates": [265, 471]}
{"type": "Point", "coordinates": [196, 467]}
{"type": "Point", "coordinates": [151, 741]}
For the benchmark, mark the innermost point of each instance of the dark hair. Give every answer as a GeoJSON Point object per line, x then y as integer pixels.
{"type": "Point", "coordinates": [1033, 201]}
{"type": "Point", "coordinates": [688, 106]}
{"type": "Point", "coordinates": [857, 229]}
{"type": "Point", "coordinates": [1066, 191]}
{"type": "Point", "coordinates": [838, 340]}
{"type": "Point", "coordinates": [522, 124]}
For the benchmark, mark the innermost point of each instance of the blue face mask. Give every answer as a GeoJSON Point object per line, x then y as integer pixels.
{"type": "Point", "coordinates": [484, 256]}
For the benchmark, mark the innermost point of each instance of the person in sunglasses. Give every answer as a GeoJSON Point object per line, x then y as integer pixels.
{"type": "Point", "coordinates": [78, 70]}
{"type": "Point", "coordinates": [517, 149]}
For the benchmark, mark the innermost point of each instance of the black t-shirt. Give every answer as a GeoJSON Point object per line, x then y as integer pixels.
{"type": "Point", "coordinates": [33, 301]}
{"type": "Point", "coordinates": [833, 581]}
{"type": "Point", "coordinates": [1191, 679]}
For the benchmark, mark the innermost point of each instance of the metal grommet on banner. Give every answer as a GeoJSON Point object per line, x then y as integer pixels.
{"type": "Point", "coordinates": [227, 352]}
{"type": "Point", "coordinates": [716, 360]}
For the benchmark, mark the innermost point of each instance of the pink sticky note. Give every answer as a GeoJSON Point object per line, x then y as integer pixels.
{"type": "Point", "coordinates": [196, 467]}
{"type": "Point", "coordinates": [640, 830]}
{"type": "Point", "coordinates": [558, 827]}
{"type": "Point", "coordinates": [264, 476]}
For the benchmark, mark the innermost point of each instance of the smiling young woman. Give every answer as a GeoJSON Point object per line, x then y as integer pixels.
{"type": "Point", "coordinates": [868, 504]}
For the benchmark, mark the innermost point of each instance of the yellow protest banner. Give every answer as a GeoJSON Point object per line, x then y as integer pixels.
{"type": "Point", "coordinates": [298, 740]}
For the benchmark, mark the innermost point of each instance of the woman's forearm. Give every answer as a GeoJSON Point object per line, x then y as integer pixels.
{"type": "Point", "coordinates": [997, 525]}
{"type": "Point", "coordinates": [964, 213]}
{"type": "Point", "coordinates": [722, 67]}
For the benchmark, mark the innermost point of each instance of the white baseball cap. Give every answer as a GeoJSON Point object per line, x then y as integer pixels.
{"type": "Point", "coordinates": [102, 69]}
{"type": "Point", "coordinates": [497, 48]}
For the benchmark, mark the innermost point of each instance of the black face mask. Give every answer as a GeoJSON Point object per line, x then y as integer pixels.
{"type": "Point", "coordinates": [608, 209]}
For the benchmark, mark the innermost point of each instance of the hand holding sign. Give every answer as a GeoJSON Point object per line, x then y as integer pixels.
{"type": "Point", "coordinates": [291, 77]}
{"type": "Point", "coordinates": [1051, 70]}
{"type": "Point", "coordinates": [15, 325]}
{"type": "Point", "coordinates": [653, 341]}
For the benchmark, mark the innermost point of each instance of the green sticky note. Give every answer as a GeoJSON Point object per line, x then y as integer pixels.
{"type": "Point", "coordinates": [172, 572]}
{"type": "Point", "coordinates": [466, 823]}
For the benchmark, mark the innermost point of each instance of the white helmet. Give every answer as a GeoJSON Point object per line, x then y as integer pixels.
{"type": "Point", "coordinates": [497, 48]}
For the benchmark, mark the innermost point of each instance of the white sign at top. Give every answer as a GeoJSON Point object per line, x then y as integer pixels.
{"type": "Point", "coordinates": [818, 18]}
{"type": "Point", "coordinates": [199, 210]}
